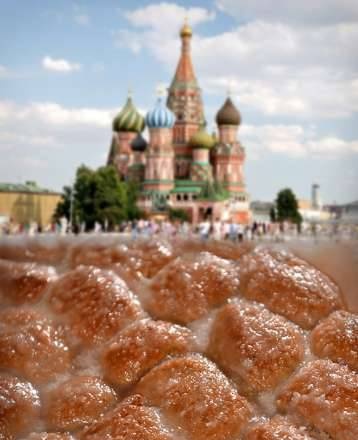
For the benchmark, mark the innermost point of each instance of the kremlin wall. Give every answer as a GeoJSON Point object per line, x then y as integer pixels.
{"type": "Point", "coordinates": [182, 166]}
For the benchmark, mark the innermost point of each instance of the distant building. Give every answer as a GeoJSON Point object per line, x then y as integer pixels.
{"type": "Point", "coordinates": [25, 203]}
{"type": "Point", "coordinates": [350, 212]}
{"type": "Point", "coordinates": [346, 213]}
{"type": "Point", "coordinates": [183, 166]}
{"type": "Point", "coordinates": [260, 211]}
{"type": "Point", "coordinates": [313, 210]}
{"type": "Point", "coordinates": [316, 202]}
{"type": "Point", "coordinates": [311, 213]}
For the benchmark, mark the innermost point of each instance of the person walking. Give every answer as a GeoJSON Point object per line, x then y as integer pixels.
{"type": "Point", "coordinates": [217, 229]}
{"type": "Point", "coordinates": [233, 231]}
{"type": "Point", "coordinates": [240, 232]}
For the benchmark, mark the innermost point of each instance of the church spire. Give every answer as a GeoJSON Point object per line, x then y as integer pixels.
{"type": "Point", "coordinates": [184, 97]}
{"type": "Point", "coordinates": [186, 30]}
{"type": "Point", "coordinates": [185, 101]}
{"type": "Point", "coordinates": [185, 70]}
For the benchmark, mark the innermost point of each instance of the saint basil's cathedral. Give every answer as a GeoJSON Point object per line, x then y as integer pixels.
{"type": "Point", "coordinates": [182, 166]}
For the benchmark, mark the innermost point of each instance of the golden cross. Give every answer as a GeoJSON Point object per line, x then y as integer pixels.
{"type": "Point", "coordinates": [161, 90]}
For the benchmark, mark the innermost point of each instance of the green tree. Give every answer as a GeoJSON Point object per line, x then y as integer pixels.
{"type": "Point", "coordinates": [84, 196]}
{"type": "Point", "coordinates": [133, 212]}
{"type": "Point", "coordinates": [63, 206]}
{"type": "Point", "coordinates": [99, 196]}
{"type": "Point", "coordinates": [272, 214]}
{"type": "Point", "coordinates": [287, 207]}
{"type": "Point", "coordinates": [178, 214]}
{"type": "Point", "coordinates": [110, 197]}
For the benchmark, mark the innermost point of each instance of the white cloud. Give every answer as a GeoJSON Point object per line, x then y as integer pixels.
{"type": "Point", "coordinates": [82, 19]}
{"type": "Point", "coordinates": [12, 138]}
{"type": "Point", "coordinates": [277, 68]}
{"type": "Point", "coordinates": [48, 124]}
{"type": "Point", "coordinates": [295, 11]}
{"type": "Point", "coordinates": [158, 25]}
{"type": "Point", "coordinates": [314, 98]}
{"type": "Point", "coordinates": [57, 115]}
{"type": "Point", "coordinates": [332, 145]}
{"type": "Point", "coordinates": [46, 141]}
{"type": "Point", "coordinates": [167, 17]}
{"type": "Point", "coordinates": [293, 141]}
{"type": "Point", "coordinates": [59, 65]}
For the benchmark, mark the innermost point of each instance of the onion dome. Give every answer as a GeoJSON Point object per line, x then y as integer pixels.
{"type": "Point", "coordinates": [228, 114]}
{"type": "Point", "coordinates": [160, 116]}
{"type": "Point", "coordinates": [139, 143]}
{"type": "Point", "coordinates": [202, 139]}
{"type": "Point", "coordinates": [129, 119]}
{"type": "Point", "coordinates": [186, 31]}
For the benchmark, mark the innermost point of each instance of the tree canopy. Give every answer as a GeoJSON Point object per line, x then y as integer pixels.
{"type": "Point", "coordinates": [178, 214]}
{"type": "Point", "coordinates": [99, 196]}
{"type": "Point", "coordinates": [272, 214]}
{"type": "Point", "coordinates": [287, 207]}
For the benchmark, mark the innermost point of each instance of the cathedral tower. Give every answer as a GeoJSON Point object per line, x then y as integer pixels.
{"type": "Point", "coordinates": [126, 126]}
{"type": "Point", "coordinates": [185, 100]}
{"type": "Point", "coordinates": [182, 166]}
{"type": "Point", "coordinates": [136, 170]}
{"type": "Point", "coordinates": [201, 169]}
{"type": "Point", "coordinates": [229, 154]}
{"type": "Point", "coordinates": [159, 171]}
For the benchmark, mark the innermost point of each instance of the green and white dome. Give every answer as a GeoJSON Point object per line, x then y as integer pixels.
{"type": "Point", "coordinates": [129, 119]}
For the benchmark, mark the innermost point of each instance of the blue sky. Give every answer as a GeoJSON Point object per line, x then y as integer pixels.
{"type": "Point", "coordinates": [66, 67]}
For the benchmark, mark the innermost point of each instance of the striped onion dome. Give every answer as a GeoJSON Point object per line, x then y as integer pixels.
{"type": "Point", "coordinates": [160, 116]}
{"type": "Point", "coordinates": [139, 143]}
{"type": "Point", "coordinates": [129, 119]}
{"type": "Point", "coordinates": [202, 140]}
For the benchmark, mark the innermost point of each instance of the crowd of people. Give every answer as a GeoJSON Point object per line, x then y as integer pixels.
{"type": "Point", "coordinates": [206, 229]}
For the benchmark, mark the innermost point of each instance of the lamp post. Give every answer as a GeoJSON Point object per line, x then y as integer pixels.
{"type": "Point", "coordinates": [71, 206]}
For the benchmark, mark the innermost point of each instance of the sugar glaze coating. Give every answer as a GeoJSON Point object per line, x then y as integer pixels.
{"type": "Point", "coordinates": [188, 288]}
{"type": "Point", "coordinates": [110, 349]}
{"type": "Point", "coordinates": [196, 396]}
{"type": "Point", "coordinates": [32, 346]}
{"type": "Point", "coordinates": [250, 342]}
{"type": "Point", "coordinates": [289, 286]}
